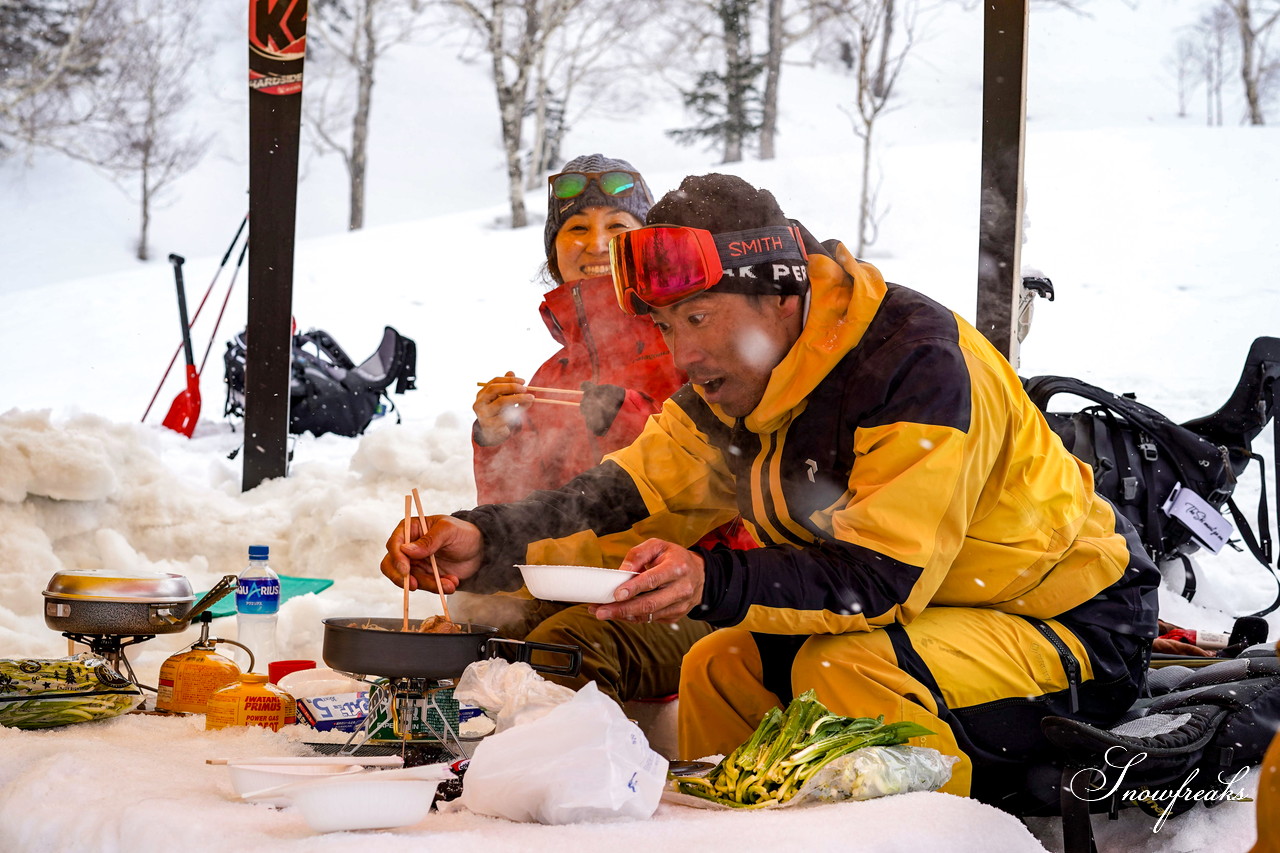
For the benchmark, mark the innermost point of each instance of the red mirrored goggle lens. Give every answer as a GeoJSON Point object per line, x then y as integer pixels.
{"type": "Point", "coordinates": [661, 265]}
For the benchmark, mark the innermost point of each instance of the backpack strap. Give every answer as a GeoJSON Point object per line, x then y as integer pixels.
{"type": "Point", "coordinates": [1077, 825]}
{"type": "Point", "coordinates": [1189, 584]}
{"type": "Point", "coordinates": [1260, 546]}
{"type": "Point", "coordinates": [407, 355]}
{"type": "Point", "coordinates": [326, 344]}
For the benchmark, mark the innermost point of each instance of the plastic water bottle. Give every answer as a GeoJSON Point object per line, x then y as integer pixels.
{"type": "Point", "coordinates": [257, 605]}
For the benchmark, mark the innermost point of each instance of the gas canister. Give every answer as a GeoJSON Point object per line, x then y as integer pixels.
{"type": "Point", "coordinates": [251, 701]}
{"type": "Point", "coordinates": [190, 677]}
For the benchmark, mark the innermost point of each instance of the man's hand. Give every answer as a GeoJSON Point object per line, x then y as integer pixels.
{"type": "Point", "coordinates": [497, 408]}
{"type": "Point", "coordinates": [1167, 646]}
{"type": "Point", "coordinates": [668, 586]}
{"type": "Point", "coordinates": [457, 544]}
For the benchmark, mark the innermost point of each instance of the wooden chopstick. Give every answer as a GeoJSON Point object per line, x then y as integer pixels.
{"type": "Point", "coordinates": [370, 760]}
{"type": "Point", "coordinates": [408, 511]}
{"type": "Point", "coordinates": [554, 390]}
{"type": "Point", "coordinates": [544, 390]}
{"type": "Point", "coordinates": [557, 402]}
{"type": "Point", "coordinates": [435, 571]}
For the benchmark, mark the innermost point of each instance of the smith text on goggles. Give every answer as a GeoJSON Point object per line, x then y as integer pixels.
{"type": "Point", "coordinates": [659, 265]}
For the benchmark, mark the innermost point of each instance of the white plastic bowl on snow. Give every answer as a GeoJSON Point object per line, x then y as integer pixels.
{"type": "Point", "coordinates": [370, 800]}
{"type": "Point", "coordinates": [246, 778]}
{"type": "Point", "coordinates": [583, 584]}
{"type": "Point", "coordinates": [365, 803]}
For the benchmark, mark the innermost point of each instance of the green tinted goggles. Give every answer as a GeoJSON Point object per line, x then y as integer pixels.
{"type": "Point", "coordinates": [613, 183]}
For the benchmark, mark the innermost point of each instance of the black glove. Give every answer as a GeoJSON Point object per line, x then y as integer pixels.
{"type": "Point", "coordinates": [600, 405]}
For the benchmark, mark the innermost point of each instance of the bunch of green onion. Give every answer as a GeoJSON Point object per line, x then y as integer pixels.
{"type": "Point", "coordinates": [787, 748]}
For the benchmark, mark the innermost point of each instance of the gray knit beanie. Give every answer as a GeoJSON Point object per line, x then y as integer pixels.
{"type": "Point", "coordinates": [637, 202]}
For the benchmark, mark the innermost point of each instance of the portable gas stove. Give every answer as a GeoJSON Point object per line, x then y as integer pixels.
{"type": "Point", "coordinates": [412, 701]}
{"type": "Point", "coordinates": [417, 717]}
{"type": "Point", "coordinates": [110, 647]}
{"type": "Point", "coordinates": [109, 610]}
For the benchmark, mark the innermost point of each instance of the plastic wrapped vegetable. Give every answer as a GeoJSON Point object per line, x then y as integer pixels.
{"type": "Point", "coordinates": [44, 692]}
{"type": "Point", "coordinates": [809, 753]}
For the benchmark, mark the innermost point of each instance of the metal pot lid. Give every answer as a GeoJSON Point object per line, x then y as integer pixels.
{"type": "Point", "coordinates": [124, 586]}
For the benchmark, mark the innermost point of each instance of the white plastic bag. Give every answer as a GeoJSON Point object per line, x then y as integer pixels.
{"type": "Point", "coordinates": [582, 761]}
{"type": "Point", "coordinates": [510, 693]}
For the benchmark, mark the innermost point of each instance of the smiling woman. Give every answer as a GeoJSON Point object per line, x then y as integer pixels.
{"type": "Point", "coordinates": [619, 364]}
{"type": "Point", "coordinates": [590, 398]}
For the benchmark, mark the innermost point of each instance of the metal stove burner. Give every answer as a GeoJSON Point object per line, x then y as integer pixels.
{"type": "Point", "coordinates": [411, 714]}
{"type": "Point", "coordinates": [111, 648]}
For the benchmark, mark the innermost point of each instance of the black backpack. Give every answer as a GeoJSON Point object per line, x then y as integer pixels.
{"type": "Point", "coordinates": [328, 392]}
{"type": "Point", "coordinates": [1196, 732]}
{"type": "Point", "coordinates": [1139, 456]}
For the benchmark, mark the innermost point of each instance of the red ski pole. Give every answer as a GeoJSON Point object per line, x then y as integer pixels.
{"type": "Point", "coordinates": [195, 316]}
{"type": "Point", "coordinates": [218, 322]}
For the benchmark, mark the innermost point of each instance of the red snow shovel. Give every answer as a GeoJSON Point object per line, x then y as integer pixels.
{"type": "Point", "coordinates": [185, 410]}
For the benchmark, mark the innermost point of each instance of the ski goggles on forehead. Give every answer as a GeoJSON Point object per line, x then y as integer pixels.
{"type": "Point", "coordinates": [660, 265]}
{"type": "Point", "coordinates": [617, 182]}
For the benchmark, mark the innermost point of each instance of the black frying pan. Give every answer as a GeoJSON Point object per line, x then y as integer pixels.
{"type": "Point", "coordinates": [349, 646]}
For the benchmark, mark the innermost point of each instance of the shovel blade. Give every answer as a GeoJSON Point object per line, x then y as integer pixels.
{"type": "Point", "coordinates": [185, 410]}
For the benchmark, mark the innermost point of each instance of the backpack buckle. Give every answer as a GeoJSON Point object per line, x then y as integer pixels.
{"type": "Point", "coordinates": [1148, 447]}
{"type": "Point", "coordinates": [1130, 486]}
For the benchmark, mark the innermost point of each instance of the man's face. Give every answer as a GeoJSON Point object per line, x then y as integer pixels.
{"type": "Point", "coordinates": [729, 343]}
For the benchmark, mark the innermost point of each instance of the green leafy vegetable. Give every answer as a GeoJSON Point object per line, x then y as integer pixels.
{"type": "Point", "coordinates": [787, 748]}
{"type": "Point", "coordinates": [37, 694]}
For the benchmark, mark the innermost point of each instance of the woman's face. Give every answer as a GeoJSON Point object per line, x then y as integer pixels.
{"type": "Point", "coordinates": [582, 243]}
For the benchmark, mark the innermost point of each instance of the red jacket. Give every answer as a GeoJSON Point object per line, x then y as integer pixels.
{"type": "Point", "coordinates": [601, 344]}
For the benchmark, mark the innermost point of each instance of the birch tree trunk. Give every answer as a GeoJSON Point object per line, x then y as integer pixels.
{"type": "Point", "coordinates": [772, 73]}
{"type": "Point", "coordinates": [366, 55]}
{"type": "Point", "coordinates": [734, 106]}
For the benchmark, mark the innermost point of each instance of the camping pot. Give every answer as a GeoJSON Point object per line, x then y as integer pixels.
{"type": "Point", "coordinates": [379, 647]}
{"type": "Point", "coordinates": [96, 601]}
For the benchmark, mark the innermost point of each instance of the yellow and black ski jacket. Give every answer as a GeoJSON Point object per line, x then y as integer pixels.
{"type": "Point", "coordinates": [894, 463]}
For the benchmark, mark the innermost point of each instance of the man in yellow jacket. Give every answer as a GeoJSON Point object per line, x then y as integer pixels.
{"type": "Point", "coordinates": [930, 551]}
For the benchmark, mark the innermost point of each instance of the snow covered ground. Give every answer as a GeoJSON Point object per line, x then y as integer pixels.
{"type": "Point", "coordinates": [1159, 234]}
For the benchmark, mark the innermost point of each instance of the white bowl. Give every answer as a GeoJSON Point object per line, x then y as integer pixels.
{"type": "Point", "coordinates": [584, 584]}
{"type": "Point", "coordinates": [370, 800]}
{"type": "Point", "coordinates": [364, 802]}
{"type": "Point", "coordinates": [247, 778]}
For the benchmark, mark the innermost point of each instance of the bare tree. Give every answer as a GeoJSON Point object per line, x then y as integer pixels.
{"type": "Point", "coordinates": [772, 75]}
{"type": "Point", "coordinates": [1254, 21]}
{"type": "Point", "coordinates": [783, 29]}
{"type": "Point", "coordinates": [137, 133]}
{"type": "Point", "coordinates": [53, 72]}
{"type": "Point", "coordinates": [886, 36]}
{"type": "Point", "coordinates": [1184, 62]}
{"type": "Point", "coordinates": [515, 35]}
{"type": "Point", "coordinates": [586, 67]}
{"type": "Point", "coordinates": [1213, 29]}
{"type": "Point", "coordinates": [865, 22]}
{"type": "Point", "coordinates": [351, 35]}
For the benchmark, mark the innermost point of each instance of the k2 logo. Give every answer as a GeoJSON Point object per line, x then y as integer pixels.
{"type": "Point", "coordinates": [813, 467]}
{"type": "Point", "coordinates": [278, 28]}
